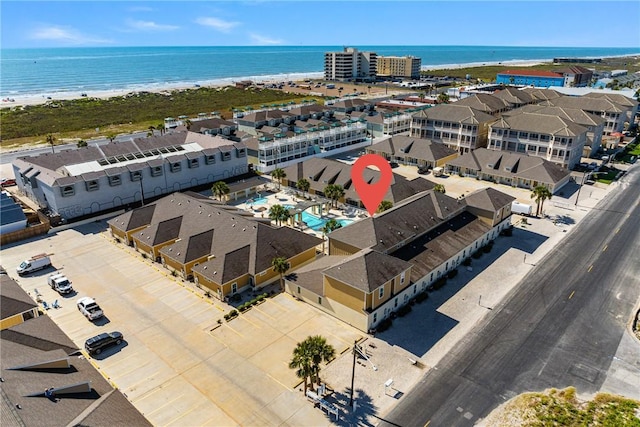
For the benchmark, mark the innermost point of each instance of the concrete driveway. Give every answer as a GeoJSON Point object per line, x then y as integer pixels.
{"type": "Point", "coordinates": [178, 365]}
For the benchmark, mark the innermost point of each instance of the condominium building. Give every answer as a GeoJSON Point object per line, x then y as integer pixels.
{"type": "Point", "coordinates": [85, 181]}
{"type": "Point", "coordinates": [407, 150]}
{"type": "Point", "coordinates": [268, 152]}
{"type": "Point", "coordinates": [460, 127]}
{"type": "Point", "coordinates": [350, 64]}
{"type": "Point", "coordinates": [399, 66]}
{"type": "Point", "coordinates": [554, 138]}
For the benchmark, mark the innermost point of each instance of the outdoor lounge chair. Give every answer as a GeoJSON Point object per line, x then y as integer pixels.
{"type": "Point", "coordinates": [45, 305]}
{"type": "Point", "coordinates": [55, 304]}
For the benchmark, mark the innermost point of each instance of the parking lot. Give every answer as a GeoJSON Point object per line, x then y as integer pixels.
{"type": "Point", "coordinates": [178, 365]}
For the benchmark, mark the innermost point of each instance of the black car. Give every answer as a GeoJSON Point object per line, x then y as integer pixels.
{"type": "Point", "coordinates": [94, 345]}
{"type": "Point", "coordinates": [393, 165]}
{"type": "Point", "coordinates": [423, 170]}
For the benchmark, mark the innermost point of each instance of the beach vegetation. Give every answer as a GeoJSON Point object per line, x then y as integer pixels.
{"type": "Point", "coordinates": [133, 111]}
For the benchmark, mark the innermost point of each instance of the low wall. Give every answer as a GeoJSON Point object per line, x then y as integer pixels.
{"type": "Point", "coordinates": [25, 233]}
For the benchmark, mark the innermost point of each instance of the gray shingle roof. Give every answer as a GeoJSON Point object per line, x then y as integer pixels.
{"type": "Point", "coordinates": [514, 96]}
{"type": "Point", "coordinates": [421, 149]}
{"type": "Point", "coordinates": [521, 165]}
{"type": "Point", "coordinates": [488, 199]}
{"type": "Point", "coordinates": [576, 115]}
{"type": "Point", "coordinates": [539, 123]}
{"type": "Point", "coordinates": [456, 114]}
{"type": "Point", "coordinates": [13, 299]}
{"type": "Point", "coordinates": [367, 270]}
{"type": "Point", "coordinates": [485, 102]}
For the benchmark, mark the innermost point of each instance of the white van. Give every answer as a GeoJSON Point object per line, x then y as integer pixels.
{"type": "Point", "coordinates": [35, 263]}
{"type": "Point", "coordinates": [438, 171]}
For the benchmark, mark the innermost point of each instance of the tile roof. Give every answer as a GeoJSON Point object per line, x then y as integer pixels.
{"type": "Point", "coordinates": [541, 94]}
{"type": "Point", "coordinates": [367, 270]}
{"type": "Point", "coordinates": [576, 115]}
{"type": "Point", "coordinates": [456, 114]}
{"type": "Point", "coordinates": [588, 103]}
{"type": "Point", "coordinates": [310, 276]}
{"type": "Point", "coordinates": [214, 123]}
{"type": "Point", "coordinates": [514, 96]}
{"type": "Point", "coordinates": [520, 165]}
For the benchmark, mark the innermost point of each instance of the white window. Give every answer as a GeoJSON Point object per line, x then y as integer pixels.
{"type": "Point", "coordinates": [210, 159]}
{"type": "Point", "coordinates": [381, 292]}
{"type": "Point", "coordinates": [194, 163]}
{"type": "Point", "coordinates": [115, 180]}
{"type": "Point", "coordinates": [92, 185]}
{"type": "Point", "coordinates": [402, 278]}
{"type": "Point", "coordinates": [234, 287]}
{"type": "Point", "coordinates": [156, 171]}
{"type": "Point", "coordinates": [175, 167]}
{"type": "Point", "coordinates": [136, 176]}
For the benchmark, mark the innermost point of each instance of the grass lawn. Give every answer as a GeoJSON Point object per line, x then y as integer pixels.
{"type": "Point", "coordinates": [562, 408]}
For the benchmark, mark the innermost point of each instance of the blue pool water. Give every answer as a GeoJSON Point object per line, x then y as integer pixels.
{"type": "Point", "coordinates": [316, 223]}
{"type": "Point", "coordinates": [257, 201]}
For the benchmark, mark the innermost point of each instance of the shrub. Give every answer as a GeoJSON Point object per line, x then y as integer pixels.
{"type": "Point", "coordinates": [384, 325]}
{"type": "Point", "coordinates": [477, 254]}
{"type": "Point", "coordinates": [507, 231]}
{"type": "Point", "coordinates": [487, 248]}
{"type": "Point", "coordinates": [243, 307]}
{"type": "Point", "coordinates": [453, 273]}
{"type": "Point", "coordinates": [253, 301]}
{"type": "Point", "coordinates": [144, 255]}
{"type": "Point", "coordinates": [227, 317]}
{"type": "Point", "coordinates": [174, 273]}
{"type": "Point", "coordinates": [233, 313]}
{"type": "Point", "coordinates": [404, 310]}
{"type": "Point", "coordinates": [422, 296]}
{"type": "Point", "coordinates": [439, 283]}
{"type": "Point", "coordinates": [466, 262]}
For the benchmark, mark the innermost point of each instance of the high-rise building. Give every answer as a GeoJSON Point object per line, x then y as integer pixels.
{"type": "Point", "coordinates": [399, 66]}
{"type": "Point", "coordinates": [350, 64]}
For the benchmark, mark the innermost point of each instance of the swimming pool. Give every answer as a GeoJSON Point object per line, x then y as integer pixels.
{"type": "Point", "coordinates": [257, 201]}
{"type": "Point", "coordinates": [316, 223]}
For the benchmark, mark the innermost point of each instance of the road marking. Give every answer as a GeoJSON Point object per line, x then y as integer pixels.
{"type": "Point", "coordinates": [590, 268]}
{"type": "Point", "coordinates": [571, 296]}
{"type": "Point", "coordinates": [617, 231]}
{"type": "Point", "coordinates": [427, 424]}
{"type": "Point", "coordinates": [605, 248]}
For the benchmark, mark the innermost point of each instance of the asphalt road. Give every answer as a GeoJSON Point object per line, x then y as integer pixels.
{"type": "Point", "coordinates": [560, 327]}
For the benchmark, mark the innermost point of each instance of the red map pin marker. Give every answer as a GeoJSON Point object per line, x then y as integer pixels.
{"type": "Point", "coordinates": [371, 194]}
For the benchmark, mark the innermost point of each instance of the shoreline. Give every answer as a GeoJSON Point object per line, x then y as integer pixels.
{"type": "Point", "coordinates": [19, 100]}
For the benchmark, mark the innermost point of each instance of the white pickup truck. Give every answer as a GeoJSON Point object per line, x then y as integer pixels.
{"type": "Point", "coordinates": [60, 283]}
{"type": "Point", "coordinates": [89, 308]}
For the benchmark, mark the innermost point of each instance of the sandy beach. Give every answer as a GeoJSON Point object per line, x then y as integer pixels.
{"type": "Point", "coordinates": [22, 100]}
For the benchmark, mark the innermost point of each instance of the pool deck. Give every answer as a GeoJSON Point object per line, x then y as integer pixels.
{"type": "Point", "coordinates": [286, 196]}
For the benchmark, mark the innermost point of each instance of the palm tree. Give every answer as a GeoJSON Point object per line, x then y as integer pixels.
{"type": "Point", "coordinates": [220, 189]}
{"type": "Point", "coordinates": [443, 98]}
{"type": "Point", "coordinates": [301, 362]}
{"type": "Point", "coordinates": [439, 188]}
{"type": "Point", "coordinates": [111, 137]}
{"type": "Point", "coordinates": [303, 185]}
{"type": "Point", "coordinates": [51, 140]}
{"type": "Point", "coordinates": [151, 131]}
{"type": "Point", "coordinates": [187, 124]}
{"type": "Point", "coordinates": [160, 127]}
{"type": "Point", "coordinates": [321, 351]}
{"type": "Point", "coordinates": [385, 205]}
{"type": "Point", "coordinates": [540, 193]}
{"type": "Point", "coordinates": [334, 192]}
{"type": "Point", "coordinates": [278, 213]}
{"type": "Point", "coordinates": [281, 266]}
{"type": "Point", "coordinates": [330, 225]}
{"type": "Point", "coordinates": [279, 174]}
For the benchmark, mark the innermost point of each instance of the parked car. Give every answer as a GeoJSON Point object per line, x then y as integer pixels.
{"type": "Point", "coordinates": [35, 263]}
{"type": "Point", "coordinates": [60, 283]}
{"type": "Point", "coordinates": [393, 165]}
{"type": "Point", "coordinates": [423, 170]}
{"type": "Point", "coordinates": [95, 345]}
{"type": "Point", "coordinates": [90, 308]}
{"type": "Point", "coordinates": [7, 182]}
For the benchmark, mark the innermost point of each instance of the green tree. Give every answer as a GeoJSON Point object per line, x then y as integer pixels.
{"type": "Point", "coordinates": [187, 124]}
{"type": "Point", "coordinates": [51, 140]}
{"type": "Point", "coordinates": [278, 213]}
{"type": "Point", "coordinates": [384, 205]}
{"type": "Point", "coordinates": [303, 185]}
{"type": "Point", "coordinates": [321, 351]}
{"type": "Point", "coordinates": [330, 225]}
{"type": "Point", "coordinates": [540, 193]}
{"type": "Point", "coordinates": [443, 98]}
{"type": "Point", "coordinates": [334, 192]}
{"type": "Point", "coordinates": [82, 143]}
{"type": "Point", "coordinates": [160, 127]}
{"type": "Point", "coordinates": [301, 362]}
{"type": "Point", "coordinates": [220, 189]}
{"type": "Point", "coordinates": [278, 174]}
{"type": "Point", "coordinates": [439, 188]}
{"type": "Point", "coordinates": [111, 137]}
{"type": "Point", "coordinates": [152, 130]}
{"type": "Point", "coordinates": [281, 266]}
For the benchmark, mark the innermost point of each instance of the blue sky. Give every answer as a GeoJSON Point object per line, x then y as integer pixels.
{"type": "Point", "coordinates": [30, 24]}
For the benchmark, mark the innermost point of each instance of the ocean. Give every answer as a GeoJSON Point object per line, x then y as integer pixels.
{"type": "Point", "coordinates": [98, 71]}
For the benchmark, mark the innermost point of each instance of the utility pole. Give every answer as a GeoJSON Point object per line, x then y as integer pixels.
{"type": "Point", "coordinates": [353, 372]}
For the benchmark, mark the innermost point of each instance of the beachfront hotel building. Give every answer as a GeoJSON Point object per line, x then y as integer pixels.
{"type": "Point", "coordinates": [221, 248]}
{"type": "Point", "coordinates": [308, 139]}
{"type": "Point", "coordinates": [89, 180]}
{"type": "Point", "coordinates": [350, 65]}
{"type": "Point", "coordinates": [459, 127]}
{"type": "Point", "coordinates": [399, 66]}
{"type": "Point", "coordinates": [550, 136]}
{"type": "Point", "coordinates": [378, 265]}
